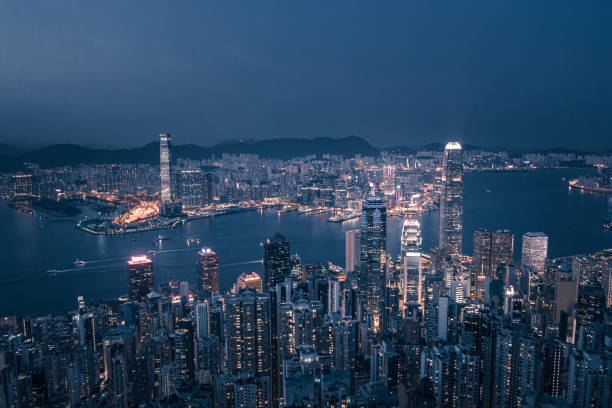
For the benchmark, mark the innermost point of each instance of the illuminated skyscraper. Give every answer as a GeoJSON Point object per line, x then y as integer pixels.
{"type": "Point", "coordinates": [208, 270]}
{"type": "Point", "coordinates": [534, 251]}
{"type": "Point", "coordinates": [490, 250]}
{"type": "Point", "coordinates": [451, 201]}
{"type": "Point", "coordinates": [277, 260]}
{"type": "Point", "coordinates": [140, 269]}
{"type": "Point", "coordinates": [189, 188]}
{"type": "Point", "coordinates": [411, 252]}
{"type": "Point", "coordinates": [247, 327]}
{"type": "Point", "coordinates": [202, 320]}
{"type": "Point", "coordinates": [249, 280]}
{"type": "Point", "coordinates": [207, 189]}
{"type": "Point", "coordinates": [502, 248]}
{"type": "Point", "coordinates": [352, 251]}
{"type": "Point", "coordinates": [372, 255]}
{"type": "Point", "coordinates": [164, 166]}
{"type": "Point", "coordinates": [481, 253]}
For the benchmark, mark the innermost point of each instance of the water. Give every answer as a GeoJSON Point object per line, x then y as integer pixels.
{"type": "Point", "coordinates": [519, 201]}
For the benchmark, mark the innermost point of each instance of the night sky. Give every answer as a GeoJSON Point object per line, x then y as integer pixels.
{"type": "Point", "coordinates": [515, 74]}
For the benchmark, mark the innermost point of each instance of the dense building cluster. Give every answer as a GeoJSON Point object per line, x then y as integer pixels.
{"type": "Point", "coordinates": [421, 328]}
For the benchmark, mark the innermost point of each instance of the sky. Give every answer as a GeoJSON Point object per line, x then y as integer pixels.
{"type": "Point", "coordinates": [514, 74]}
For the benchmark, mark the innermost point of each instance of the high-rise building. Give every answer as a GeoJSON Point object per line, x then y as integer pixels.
{"type": "Point", "coordinates": [247, 327]}
{"type": "Point", "coordinates": [502, 248]}
{"type": "Point", "coordinates": [184, 360]}
{"type": "Point", "coordinates": [277, 260]}
{"type": "Point", "coordinates": [481, 253]}
{"type": "Point", "coordinates": [491, 249]}
{"type": "Point", "coordinates": [451, 201]}
{"type": "Point", "coordinates": [189, 188]}
{"type": "Point", "coordinates": [207, 189]}
{"type": "Point", "coordinates": [534, 251]}
{"type": "Point", "coordinates": [249, 280]}
{"type": "Point", "coordinates": [352, 251]}
{"type": "Point", "coordinates": [164, 166]}
{"type": "Point", "coordinates": [411, 253]}
{"type": "Point", "coordinates": [140, 269]}
{"type": "Point", "coordinates": [208, 270]}
{"type": "Point", "coordinates": [372, 254]}
{"type": "Point", "coordinates": [202, 320]}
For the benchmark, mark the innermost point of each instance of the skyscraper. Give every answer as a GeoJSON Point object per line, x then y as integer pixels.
{"type": "Point", "coordinates": [208, 270]}
{"type": "Point", "coordinates": [490, 249]}
{"type": "Point", "coordinates": [372, 255]}
{"type": "Point", "coordinates": [277, 260]}
{"type": "Point", "coordinates": [352, 250]}
{"type": "Point", "coordinates": [249, 280]}
{"type": "Point", "coordinates": [248, 331]}
{"type": "Point", "coordinates": [411, 253]}
{"type": "Point", "coordinates": [481, 253]}
{"type": "Point", "coordinates": [202, 320]}
{"type": "Point", "coordinates": [534, 251]}
{"type": "Point", "coordinates": [189, 188]}
{"type": "Point", "coordinates": [502, 248]}
{"type": "Point", "coordinates": [140, 269]}
{"type": "Point", "coordinates": [207, 189]}
{"type": "Point", "coordinates": [164, 166]}
{"type": "Point", "coordinates": [451, 201]}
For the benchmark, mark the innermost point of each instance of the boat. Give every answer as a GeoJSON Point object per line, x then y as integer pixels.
{"type": "Point", "coordinates": [607, 225]}
{"type": "Point", "coordinates": [51, 272]}
{"type": "Point", "coordinates": [162, 237]}
{"type": "Point", "coordinates": [488, 190]}
{"type": "Point", "coordinates": [193, 240]}
{"type": "Point", "coordinates": [79, 263]}
{"type": "Point", "coordinates": [152, 252]}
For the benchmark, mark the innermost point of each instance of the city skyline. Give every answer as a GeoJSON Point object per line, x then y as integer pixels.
{"type": "Point", "coordinates": [456, 253]}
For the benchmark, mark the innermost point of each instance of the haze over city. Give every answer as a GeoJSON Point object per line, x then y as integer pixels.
{"type": "Point", "coordinates": [516, 75]}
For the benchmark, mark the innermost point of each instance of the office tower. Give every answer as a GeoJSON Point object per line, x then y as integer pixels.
{"type": "Point", "coordinates": [202, 320]}
{"type": "Point", "coordinates": [248, 331]}
{"type": "Point", "coordinates": [277, 260]}
{"type": "Point", "coordinates": [372, 255]}
{"type": "Point", "coordinates": [534, 251]}
{"type": "Point", "coordinates": [164, 166]}
{"type": "Point", "coordinates": [208, 270]}
{"type": "Point", "coordinates": [189, 188]}
{"type": "Point", "coordinates": [183, 354]}
{"type": "Point", "coordinates": [411, 253]}
{"type": "Point", "coordinates": [207, 189]}
{"type": "Point", "coordinates": [340, 198]}
{"type": "Point", "coordinates": [502, 248]}
{"type": "Point", "coordinates": [491, 249]}
{"type": "Point", "coordinates": [590, 304]}
{"type": "Point", "coordinates": [454, 372]}
{"type": "Point", "coordinates": [140, 269]}
{"type": "Point", "coordinates": [352, 251]}
{"type": "Point", "coordinates": [411, 236]}
{"type": "Point", "coordinates": [554, 352]}
{"type": "Point", "coordinates": [589, 376]}
{"type": "Point", "coordinates": [451, 201]}
{"type": "Point", "coordinates": [515, 366]}
{"type": "Point", "coordinates": [481, 253]}
{"type": "Point", "coordinates": [249, 280]}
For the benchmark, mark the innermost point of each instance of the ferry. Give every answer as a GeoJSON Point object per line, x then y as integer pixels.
{"type": "Point", "coordinates": [193, 240]}
{"type": "Point", "coordinates": [79, 263]}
